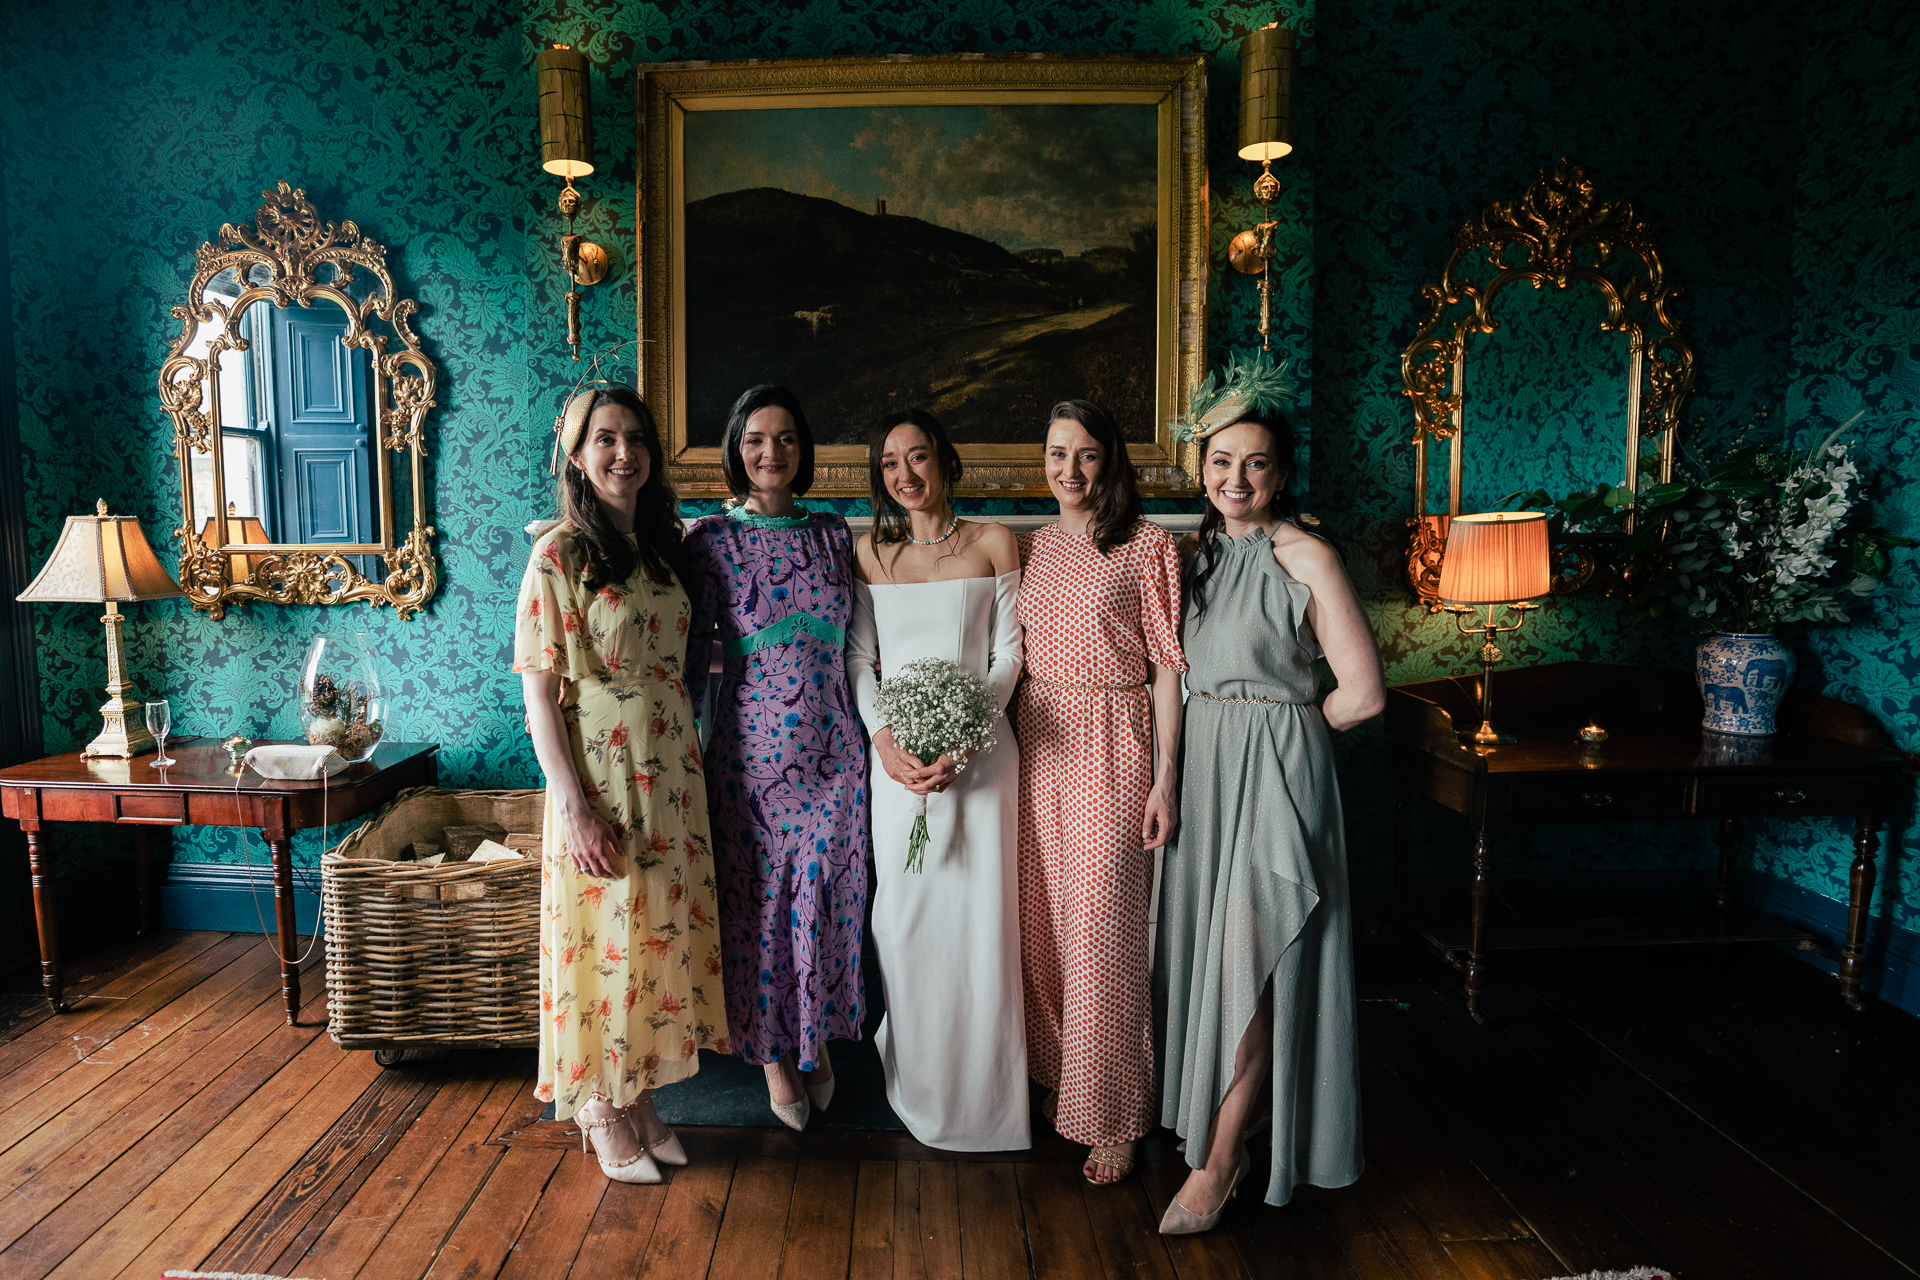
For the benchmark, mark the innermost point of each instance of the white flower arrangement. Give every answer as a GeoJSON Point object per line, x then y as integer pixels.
{"type": "Point", "coordinates": [1765, 539]}
{"type": "Point", "coordinates": [936, 707]}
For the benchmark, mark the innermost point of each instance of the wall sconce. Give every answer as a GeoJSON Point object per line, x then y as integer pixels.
{"type": "Point", "coordinates": [106, 559]}
{"type": "Point", "coordinates": [1495, 558]}
{"type": "Point", "coordinates": [1266, 134]}
{"type": "Point", "coordinates": [566, 148]}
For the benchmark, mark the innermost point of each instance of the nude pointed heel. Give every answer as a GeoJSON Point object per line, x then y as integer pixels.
{"type": "Point", "coordinates": [1182, 1221]}
{"type": "Point", "coordinates": [639, 1168]}
{"type": "Point", "coordinates": [821, 1095]}
{"type": "Point", "coordinates": [794, 1115]}
{"type": "Point", "coordinates": [668, 1150]}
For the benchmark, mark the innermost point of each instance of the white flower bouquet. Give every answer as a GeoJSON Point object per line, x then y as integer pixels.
{"type": "Point", "coordinates": [935, 708]}
{"type": "Point", "coordinates": [1766, 538]}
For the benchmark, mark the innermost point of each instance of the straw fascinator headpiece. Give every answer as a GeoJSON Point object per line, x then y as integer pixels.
{"type": "Point", "coordinates": [1249, 382]}
{"type": "Point", "coordinates": [571, 423]}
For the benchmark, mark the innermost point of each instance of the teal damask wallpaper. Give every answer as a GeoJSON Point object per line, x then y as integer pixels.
{"type": "Point", "coordinates": [1773, 146]}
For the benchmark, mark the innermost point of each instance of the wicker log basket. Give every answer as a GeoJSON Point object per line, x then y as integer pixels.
{"type": "Point", "coordinates": [429, 956]}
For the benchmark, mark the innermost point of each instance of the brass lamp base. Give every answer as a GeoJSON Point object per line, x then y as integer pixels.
{"type": "Point", "coordinates": [123, 733]}
{"type": "Point", "coordinates": [1486, 737]}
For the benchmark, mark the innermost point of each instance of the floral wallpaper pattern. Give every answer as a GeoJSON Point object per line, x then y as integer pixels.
{"type": "Point", "coordinates": [1751, 136]}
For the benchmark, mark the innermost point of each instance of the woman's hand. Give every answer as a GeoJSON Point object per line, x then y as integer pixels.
{"type": "Point", "coordinates": [937, 776]}
{"type": "Point", "coordinates": [591, 843]}
{"type": "Point", "coordinates": [901, 766]}
{"type": "Point", "coordinates": [1156, 825]}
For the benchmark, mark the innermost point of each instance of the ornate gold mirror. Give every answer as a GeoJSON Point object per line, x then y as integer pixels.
{"type": "Point", "coordinates": [1548, 363]}
{"type": "Point", "coordinates": [295, 387]}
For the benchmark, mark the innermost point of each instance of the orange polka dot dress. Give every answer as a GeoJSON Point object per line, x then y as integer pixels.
{"type": "Point", "coordinates": [1093, 624]}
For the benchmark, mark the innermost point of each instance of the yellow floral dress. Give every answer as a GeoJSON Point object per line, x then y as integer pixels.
{"type": "Point", "coordinates": [629, 968]}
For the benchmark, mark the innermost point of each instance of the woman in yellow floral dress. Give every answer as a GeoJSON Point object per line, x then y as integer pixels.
{"type": "Point", "coordinates": [629, 945]}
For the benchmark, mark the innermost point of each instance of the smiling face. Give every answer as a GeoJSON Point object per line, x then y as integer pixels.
{"type": "Point", "coordinates": [1073, 464]}
{"type": "Point", "coordinates": [612, 454]}
{"type": "Point", "coordinates": [910, 467]}
{"type": "Point", "coordinates": [770, 451]}
{"type": "Point", "coordinates": [1241, 472]}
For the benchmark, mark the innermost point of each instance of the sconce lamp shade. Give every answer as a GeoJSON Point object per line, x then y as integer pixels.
{"type": "Point", "coordinates": [246, 529]}
{"type": "Point", "coordinates": [1496, 557]}
{"type": "Point", "coordinates": [100, 558]}
{"type": "Point", "coordinates": [566, 113]}
{"type": "Point", "coordinates": [1266, 93]}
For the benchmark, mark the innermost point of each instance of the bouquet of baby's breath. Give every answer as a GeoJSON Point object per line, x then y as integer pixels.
{"type": "Point", "coordinates": [935, 708]}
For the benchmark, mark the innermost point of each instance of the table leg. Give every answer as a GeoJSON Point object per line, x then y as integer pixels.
{"type": "Point", "coordinates": [1401, 804]}
{"type": "Point", "coordinates": [1476, 954]}
{"type": "Point", "coordinates": [1853, 961]}
{"type": "Point", "coordinates": [1725, 900]}
{"type": "Point", "coordinates": [282, 851]}
{"type": "Point", "coordinates": [142, 881]}
{"type": "Point", "coordinates": [45, 916]}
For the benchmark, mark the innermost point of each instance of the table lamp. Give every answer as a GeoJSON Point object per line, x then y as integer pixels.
{"type": "Point", "coordinates": [239, 529]}
{"type": "Point", "coordinates": [103, 558]}
{"type": "Point", "coordinates": [1494, 558]}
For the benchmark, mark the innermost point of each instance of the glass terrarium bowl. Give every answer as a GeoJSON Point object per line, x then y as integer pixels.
{"type": "Point", "coordinates": [342, 704]}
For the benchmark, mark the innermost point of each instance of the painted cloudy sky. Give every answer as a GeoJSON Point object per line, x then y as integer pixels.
{"type": "Point", "coordinates": [1062, 177]}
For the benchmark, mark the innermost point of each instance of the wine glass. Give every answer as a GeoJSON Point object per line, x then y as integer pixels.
{"type": "Point", "coordinates": [159, 720]}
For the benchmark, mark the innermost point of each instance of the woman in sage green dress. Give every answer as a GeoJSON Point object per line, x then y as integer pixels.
{"type": "Point", "coordinates": [1254, 977]}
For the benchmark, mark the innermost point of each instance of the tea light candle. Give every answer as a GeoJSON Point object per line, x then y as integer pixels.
{"type": "Point", "coordinates": [1593, 735]}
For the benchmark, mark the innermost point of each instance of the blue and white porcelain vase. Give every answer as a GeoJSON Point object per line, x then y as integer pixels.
{"type": "Point", "coordinates": [1742, 679]}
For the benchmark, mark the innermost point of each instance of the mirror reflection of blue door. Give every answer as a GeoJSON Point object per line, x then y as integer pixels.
{"type": "Point", "coordinates": [322, 432]}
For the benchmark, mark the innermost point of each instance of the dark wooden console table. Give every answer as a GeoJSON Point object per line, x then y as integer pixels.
{"type": "Point", "coordinates": [196, 791]}
{"type": "Point", "coordinates": [1827, 760]}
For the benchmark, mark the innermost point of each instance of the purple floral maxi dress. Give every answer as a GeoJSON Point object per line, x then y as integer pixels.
{"type": "Point", "coordinates": [786, 774]}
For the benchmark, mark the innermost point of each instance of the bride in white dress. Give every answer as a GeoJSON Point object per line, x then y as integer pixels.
{"type": "Point", "coordinates": [930, 585]}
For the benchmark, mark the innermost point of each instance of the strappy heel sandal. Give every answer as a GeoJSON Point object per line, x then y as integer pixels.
{"type": "Point", "coordinates": [637, 1168]}
{"type": "Point", "coordinates": [666, 1151]}
{"type": "Point", "coordinates": [1108, 1158]}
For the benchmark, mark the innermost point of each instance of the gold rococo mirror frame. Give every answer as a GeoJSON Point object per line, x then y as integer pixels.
{"type": "Point", "coordinates": [1557, 218]}
{"type": "Point", "coordinates": [289, 239]}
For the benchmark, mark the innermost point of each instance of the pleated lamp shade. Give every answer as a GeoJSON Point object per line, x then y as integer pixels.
{"type": "Point", "coordinates": [566, 113]}
{"type": "Point", "coordinates": [1496, 557]}
{"type": "Point", "coordinates": [100, 558]}
{"type": "Point", "coordinates": [1266, 93]}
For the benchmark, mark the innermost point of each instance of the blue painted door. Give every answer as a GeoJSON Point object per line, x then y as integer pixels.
{"type": "Point", "coordinates": [323, 433]}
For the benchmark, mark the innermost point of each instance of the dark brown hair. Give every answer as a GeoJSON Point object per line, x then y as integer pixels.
{"type": "Point", "coordinates": [890, 522]}
{"type": "Point", "coordinates": [1116, 490]}
{"type": "Point", "coordinates": [752, 401]}
{"type": "Point", "coordinates": [610, 558]}
{"type": "Point", "coordinates": [1285, 504]}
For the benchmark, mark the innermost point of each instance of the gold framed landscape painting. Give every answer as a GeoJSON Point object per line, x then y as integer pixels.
{"type": "Point", "coordinates": [976, 236]}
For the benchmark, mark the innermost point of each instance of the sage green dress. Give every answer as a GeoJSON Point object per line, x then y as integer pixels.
{"type": "Point", "coordinates": [1255, 882]}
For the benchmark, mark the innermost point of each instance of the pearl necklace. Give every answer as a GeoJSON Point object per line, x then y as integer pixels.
{"type": "Point", "coordinates": [929, 542]}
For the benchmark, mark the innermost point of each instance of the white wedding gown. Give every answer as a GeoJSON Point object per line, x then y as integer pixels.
{"type": "Point", "coordinates": [954, 1040]}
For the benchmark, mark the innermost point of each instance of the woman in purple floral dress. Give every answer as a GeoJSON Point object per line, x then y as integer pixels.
{"type": "Point", "coordinates": [786, 760]}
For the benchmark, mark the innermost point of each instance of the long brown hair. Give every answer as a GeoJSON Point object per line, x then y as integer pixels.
{"type": "Point", "coordinates": [1116, 490]}
{"type": "Point", "coordinates": [610, 558]}
{"type": "Point", "coordinates": [890, 522]}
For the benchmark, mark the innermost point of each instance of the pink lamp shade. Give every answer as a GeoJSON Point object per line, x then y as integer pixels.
{"type": "Point", "coordinates": [1496, 557]}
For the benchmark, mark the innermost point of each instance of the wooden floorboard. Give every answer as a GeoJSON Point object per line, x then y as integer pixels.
{"type": "Point", "coordinates": [1719, 1113]}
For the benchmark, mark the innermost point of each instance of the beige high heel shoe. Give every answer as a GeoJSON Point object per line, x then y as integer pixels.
{"type": "Point", "coordinates": [1182, 1221]}
{"type": "Point", "coordinates": [820, 1095]}
{"type": "Point", "coordinates": [638, 1168]}
{"type": "Point", "coordinates": [666, 1151]}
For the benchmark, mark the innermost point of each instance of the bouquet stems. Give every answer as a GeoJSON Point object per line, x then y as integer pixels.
{"type": "Point", "coordinates": [917, 840]}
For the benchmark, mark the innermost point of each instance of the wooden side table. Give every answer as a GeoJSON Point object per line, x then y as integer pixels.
{"type": "Point", "coordinates": [197, 790]}
{"type": "Point", "coordinates": [1658, 764]}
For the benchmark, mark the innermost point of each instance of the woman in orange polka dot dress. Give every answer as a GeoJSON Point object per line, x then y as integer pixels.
{"type": "Point", "coordinates": [1100, 602]}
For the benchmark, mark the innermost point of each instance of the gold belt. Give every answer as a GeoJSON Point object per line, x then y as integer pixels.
{"type": "Point", "coordinates": [1277, 702]}
{"type": "Point", "coordinates": [1062, 684]}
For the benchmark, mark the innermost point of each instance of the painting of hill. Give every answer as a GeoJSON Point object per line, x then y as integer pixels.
{"type": "Point", "coordinates": [1025, 276]}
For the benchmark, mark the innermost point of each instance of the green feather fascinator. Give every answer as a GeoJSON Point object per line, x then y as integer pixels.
{"type": "Point", "coordinates": [1249, 382]}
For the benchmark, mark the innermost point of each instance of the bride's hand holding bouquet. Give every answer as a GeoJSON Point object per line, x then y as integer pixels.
{"type": "Point", "coordinates": [934, 709]}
